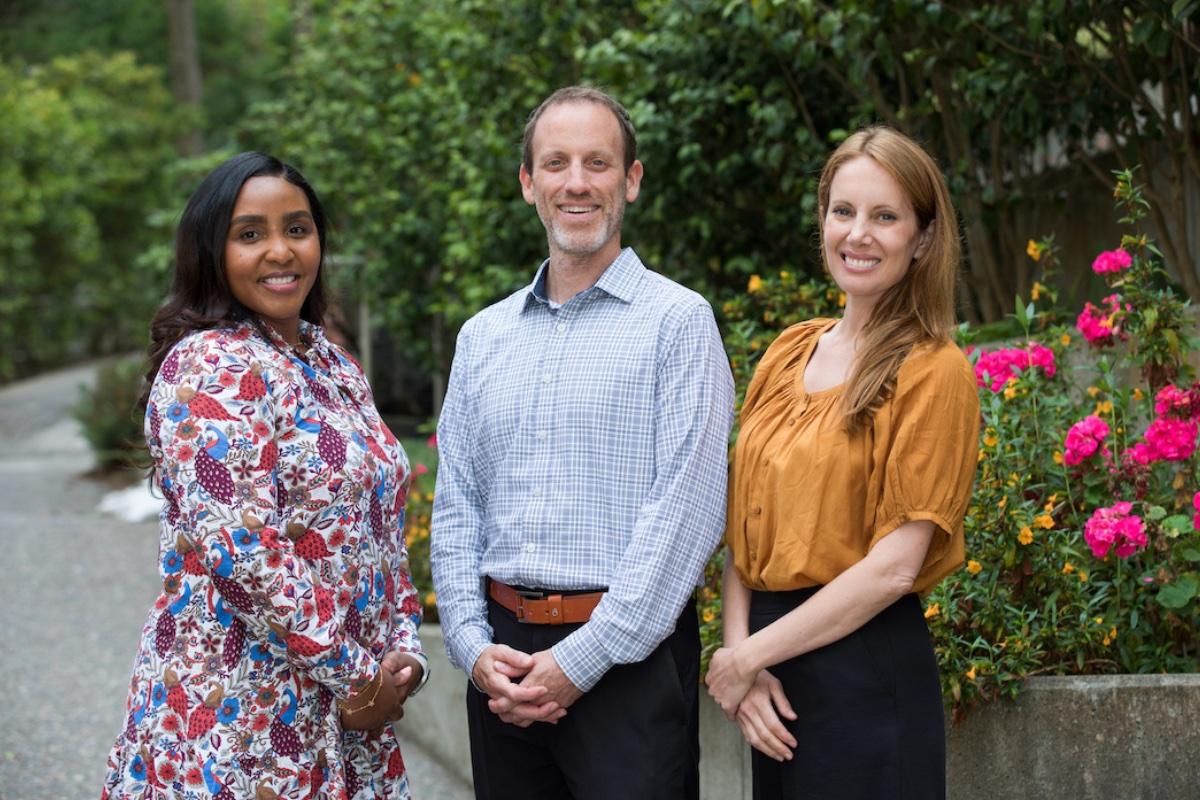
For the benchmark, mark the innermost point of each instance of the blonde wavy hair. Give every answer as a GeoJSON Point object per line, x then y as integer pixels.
{"type": "Point", "coordinates": [919, 309]}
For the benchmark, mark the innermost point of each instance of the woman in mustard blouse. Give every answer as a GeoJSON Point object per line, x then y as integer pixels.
{"type": "Point", "coordinates": [850, 480]}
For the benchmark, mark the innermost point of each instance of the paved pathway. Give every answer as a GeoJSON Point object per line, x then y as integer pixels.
{"type": "Point", "coordinates": [75, 588]}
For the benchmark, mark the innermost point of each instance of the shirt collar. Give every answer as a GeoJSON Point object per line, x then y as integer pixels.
{"type": "Point", "coordinates": [620, 279]}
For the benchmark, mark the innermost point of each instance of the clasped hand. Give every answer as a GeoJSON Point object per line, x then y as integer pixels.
{"type": "Point", "coordinates": [756, 701]}
{"type": "Point", "coordinates": [523, 688]}
{"type": "Point", "coordinates": [400, 675]}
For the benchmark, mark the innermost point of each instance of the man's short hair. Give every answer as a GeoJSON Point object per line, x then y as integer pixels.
{"type": "Point", "coordinates": [581, 94]}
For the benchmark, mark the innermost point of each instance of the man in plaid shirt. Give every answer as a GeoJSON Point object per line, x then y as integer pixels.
{"type": "Point", "coordinates": [581, 489]}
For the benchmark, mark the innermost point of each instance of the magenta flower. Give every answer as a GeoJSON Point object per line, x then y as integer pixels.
{"type": "Point", "coordinates": [1172, 439]}
{"type": "Point", "coordinates": [1000, 365]}
{"type": "Point", "coordinates": [1084, 439]}
{"type": "Point", "coordinates": [1100, 325]}
{"type": "Point", "coordinates": [1196, 506]}
{"type": "Point", "coordinates": [1111, 261]}
{"type": "Point", "coordinates": [1171, 401]}
{"type": "Point", "coordinates": [1116, 528]}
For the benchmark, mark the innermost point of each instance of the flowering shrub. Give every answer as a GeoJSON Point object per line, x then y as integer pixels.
{"type": "Point", "coordinates": [1082, 530]}
{"type": "Point", "coordinates": [417, 513]}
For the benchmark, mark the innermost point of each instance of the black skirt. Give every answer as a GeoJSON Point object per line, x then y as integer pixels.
{"type": "Point", "coordinates": [870, 723]}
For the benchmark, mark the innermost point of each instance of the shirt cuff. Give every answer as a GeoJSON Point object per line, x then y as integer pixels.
{"type": "Point", "coordinates": [465, 647]}
{"type": "Point", "coordinates": [424, 662]}
{"type": "Point", "coordinates": [582, 658]}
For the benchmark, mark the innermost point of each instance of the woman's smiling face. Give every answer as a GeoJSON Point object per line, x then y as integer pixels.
{"type": "Point", "coordinates": [273, 252]}
{"type": "Point", "coordinates": [870, 233]}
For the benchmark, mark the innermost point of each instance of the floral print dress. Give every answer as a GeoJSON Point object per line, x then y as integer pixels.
{"type": "Point", "coordinates": [285, 578]}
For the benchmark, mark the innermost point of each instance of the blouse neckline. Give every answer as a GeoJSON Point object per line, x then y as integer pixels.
{"type": "Point", "coordinates": [805, 357]}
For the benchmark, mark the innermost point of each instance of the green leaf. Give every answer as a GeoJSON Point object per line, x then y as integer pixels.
{"type": "Point", "coordinates": [1155, 513]}
{"type": "Point", "coordinates": [1176, 524]}
{"type": "Point", "coordinates": [1178, 594]}
{"type": "Point", "coordinates": [1021, 313]}
{"type": "Point", "coordinates": [1190, 554]}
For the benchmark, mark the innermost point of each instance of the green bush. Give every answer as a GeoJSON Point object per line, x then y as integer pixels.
{"type": "Point", "coordinates": [109, 414]}
{"type": "Point", "coordinates": [86, 140]}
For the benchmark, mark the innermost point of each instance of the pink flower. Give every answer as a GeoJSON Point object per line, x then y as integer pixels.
{"type": "Point", "coordinates": [1099, 325]}
{"type": "Point", "coordinates": [1084, 439]}
{"type": "Point", "coordinates": [1196, 516]}
{"type": "Point", "coordinates": [432, 441]}
{"type": "Point", "coordinates": [1172, 439]}
{"type": "Point", "coordinates": [1000, 365]}
{"type": "Point", "coordinates": [1115, 527]}
{"type": "Point", "coordinates": [420, 469]}
{"type": "Point", "coordinates": [1111, 261]}
{"type": "Point", "coordinates": [1172, 401]}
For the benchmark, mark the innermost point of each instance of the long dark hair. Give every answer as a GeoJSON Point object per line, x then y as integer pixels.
{"type": "Point", "coordinates": [200, 297]}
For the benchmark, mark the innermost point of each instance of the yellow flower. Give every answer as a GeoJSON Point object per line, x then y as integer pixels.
{"type": "Point", "coordinates": [981, 454]}
{"type": "Point", "coordinates": [1137, 393]}
{"type": "Point", "coordinates": [755, 284]}
{"type": "Point", "coordinates": [932, 611]}
{"type": "Point", "coordinates": [1093, 391]}
{"type": "Point", "coordinates": [430, 599]}
{"type": "Point", "coordinates": [1044, 521]}
{"type": "Point", "coordinates": [784, 275]}
{"type": "Point", "coordinates": [974, 567]}
{"type": "Point", "coordinates": [841, 299]}
{"type": "Point", "coordinates": [1026, 535]}
{"type": "Point", "coordinates": [1104, 407]}
{"type": "Point", "coordinates": [1068, 568]}
{"type": "Point", "coordinates": [1098, 620]}
{"type": "Point", "coordinates": [971, 673]}
{"type": "Point", "coordinates": [1082, 576]}
{"type": "Point", "coordinates": [1010, 393]}
{"type": "Point", "coordinates": [1034, 251]}
{"type": "Point", "coordinates": [1110, 637]}
{"type": "Point", "coordinates": [709, 615]}
{"type": "Point", "coordinates": [1003, 502]}
{"type": "Point", "coordinates": [727, 308]}
{"type": "Point", "coordinates": [1058, 457]}
{"type": "Point", "coordinates": [755, 344]}
{"type": "Point", "coordinates": [990, 439]}
{"type": "Point", "coordinates": [1065, 339]}
{"type": "Point", "coordinates": [1036, 291]}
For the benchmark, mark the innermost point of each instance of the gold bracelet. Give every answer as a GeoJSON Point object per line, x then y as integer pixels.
{"type": "Point", "coordinates": [378, 685]}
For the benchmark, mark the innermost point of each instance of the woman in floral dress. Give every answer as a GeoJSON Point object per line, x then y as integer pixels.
{"type": "Point", "coordinates": [285, 637]}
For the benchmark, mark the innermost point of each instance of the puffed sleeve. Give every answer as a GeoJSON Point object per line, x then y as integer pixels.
{"type": "Point", "coordinates": [929, 453]}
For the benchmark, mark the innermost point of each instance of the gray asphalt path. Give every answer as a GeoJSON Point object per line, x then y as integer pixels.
{"type": "Point", "coordinates": [75, 589]}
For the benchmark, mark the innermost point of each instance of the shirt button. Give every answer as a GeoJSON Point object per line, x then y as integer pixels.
{"type": "Point", "coordinates": [530, 547]}
{"type": "Point", "coordinates": [537, 491]}
{"type": "Point", "coordinates": [766, 462]}
{"type": "Point", "coordinates": [546, 378]}
{"type": "Point", "coordinates": [756, 511]}
{"type": "Point", "coordinates": [541, 436]}
{"type": "Point", "coordinates": [791, 421]}
{"type": "Point", "coordinates": [560, 327]}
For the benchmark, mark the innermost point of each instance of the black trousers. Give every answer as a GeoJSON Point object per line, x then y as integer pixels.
{"type": "Point", "coordinates": [636, 734]}
{"type": "Point", "coordinates": [869, 706]}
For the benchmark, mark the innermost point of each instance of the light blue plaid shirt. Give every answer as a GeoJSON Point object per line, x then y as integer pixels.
{"type": "Point", "coordinates": [583, 447]}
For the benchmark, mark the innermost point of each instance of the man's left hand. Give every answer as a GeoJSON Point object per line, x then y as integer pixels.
{"type": "Point", "coordinates": [547, 673]}
{"type": "Point", "coordinates": [727, 684]}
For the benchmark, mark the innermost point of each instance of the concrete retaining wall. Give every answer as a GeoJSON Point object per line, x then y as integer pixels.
{"type": "Point", "coordinates": [1077, 738]}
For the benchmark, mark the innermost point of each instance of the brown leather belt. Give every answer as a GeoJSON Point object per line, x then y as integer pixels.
{"type": "Point", "coordinates": [538, 608]}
